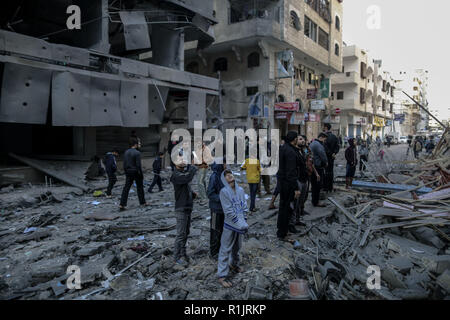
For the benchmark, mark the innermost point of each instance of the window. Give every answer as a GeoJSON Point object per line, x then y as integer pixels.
{"type": "Point", "coordinates": [362, 95]}
{"type": "Point", "coordinates": [363, 70]}
{"type": "Point", "coordinates": [332, 95]}
{"type": "Point", "coordinates": [192, 67]}
{"type": "Point", "coordinates": [324, 39]}
{"type": "Point", "coordinates": [251, 91]}
{"type": "Point", "coordinates": [310, 29]}
{"type": "Point", "coordinates": [384, 86]}
{"type": "Point", "coordinates": [383, 106]}
{"type": "Point", "coordinates": [295, 21]}
{"type": "Point", "coordinates": [281, 98]}
{"type": "Point", "coordinates": [221, 64]}
{"type": "Point", "coordinates": [337, 52]}
{"type": "Point", "coordinates": [340, 95]}
{"type": "Point", "coordinates": [253, 60]}
{"type": "Point", "coordinates": [338, 23]}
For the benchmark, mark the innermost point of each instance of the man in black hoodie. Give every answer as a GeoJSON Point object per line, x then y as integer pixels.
{"type": "Point", "coordinates": [289, 189]}
{"type": "Point", "coordinates": [184, 200]}
{"type": "Point", "coordinates": [133, 172]}
{"type": "Point", "coordinates": [332, 149]}
{"type": "Point", "coordinates": [157, 164]}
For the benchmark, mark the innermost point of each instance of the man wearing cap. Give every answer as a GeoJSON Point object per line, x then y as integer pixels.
{"type": "Point", "coordinates": [289, 188]}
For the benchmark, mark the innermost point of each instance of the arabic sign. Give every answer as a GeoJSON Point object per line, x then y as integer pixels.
{"type": "Point", "coordinates": [317, 105]}
{"type": "Point", "coordinates": [311, 94]}
{"type": "Point", "coordinates": [378, 122]}
{"type": "Point", "coordinates": [325, 88]}
{"type": "Point", "coordinates": [287, 106]}
{"type": "Point", "coordinates": [283, 115]}
{"type": "Point", "coordinates": [298, 118]}
{"type": "Point", "coordinates": [313, 117]}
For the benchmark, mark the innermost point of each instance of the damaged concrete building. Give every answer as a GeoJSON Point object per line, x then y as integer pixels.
{"type": "Point", "coordinates": [274, 59]}
{"type": "Point", "coordinates": [75, 93]}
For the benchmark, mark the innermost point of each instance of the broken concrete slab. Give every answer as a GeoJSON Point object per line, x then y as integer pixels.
{"type": "Point", "coordinates": [401, 264]}
{"type": "Point", "coordinates": [102, 216]}
{"type": "Point", "coordinates": [393, 278]}
{"type": "Point", "coordinates": [444, 281]}
{"type": "Point", "coordinates": [90, 249]}
{"type": "Point", "coordinates": [45, 270]}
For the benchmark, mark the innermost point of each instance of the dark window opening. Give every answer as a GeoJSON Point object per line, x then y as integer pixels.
{"type": "Point", "coordinates": [324, 39]}
{"type": "Point", "coordinates": [221, 64]}
{"type": "Point", "coordinates": [295, 21]}
{"type": "Point", "coordinates": [253, 60]}
{"type": "Point", "coordinates": [337, 52]}
{"type": "Point", "coordinates": [251, 91]}
{"type": "Point", "coordinates": [340, 95]}
{"type": "Point", "coordinates": [193, 67]}
{"type": "Point", "coordinates": [338, 23]}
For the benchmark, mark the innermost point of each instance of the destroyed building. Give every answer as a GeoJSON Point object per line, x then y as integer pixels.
{"type": "Point", "coordinates": [274, 58]}
{"type": "Point", "coordinates": [75, 93]}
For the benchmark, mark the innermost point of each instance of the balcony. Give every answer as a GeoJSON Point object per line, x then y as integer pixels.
{"type": "Point", "coordinates": [350, 52]}
{"type": "Point", "coordinates": [322, 7]}
{"type": "Point", "coordinates": [348, 104]}
{"type": "Point", "coordinates": [346, 78]}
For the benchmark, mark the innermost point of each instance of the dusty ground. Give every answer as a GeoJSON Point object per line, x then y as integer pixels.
{"type": "Point", "coordinates": [73, 229]}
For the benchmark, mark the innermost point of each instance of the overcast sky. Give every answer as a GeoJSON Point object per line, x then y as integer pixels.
{"type": "Point", "coordinates": [414, 34]}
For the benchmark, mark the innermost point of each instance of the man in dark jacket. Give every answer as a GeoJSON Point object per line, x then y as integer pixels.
{"type": "Point", "coordinates": [332, 149]}
{"type": "Point", "coordinates": [352, 161]}
{"type": "Point", "coordinates": [133, 172]}
{"type": "Point", "coordinates": [320, 163]}
{"type": "Point", "coordinates": [217, 217]}
{"type": "Point", "coordinates": [289, 189]}
{"type": "Point", "coordinates": [184, 201]}
{"type": "Point", "coordinates": [111, 168]}
{"type": "Point", "coordinates": [157, 164]}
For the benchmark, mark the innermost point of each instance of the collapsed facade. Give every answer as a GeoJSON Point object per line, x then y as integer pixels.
{"type": "Point", "coordinates": [364, 93]}
{"type": "Point", "coordinates": [274, 59]}
{"type": "Point", "coordinates": [78, 93]}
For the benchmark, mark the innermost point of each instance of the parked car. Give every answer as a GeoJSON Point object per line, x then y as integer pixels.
{"type": "Point", "coordinates": [403, 139]}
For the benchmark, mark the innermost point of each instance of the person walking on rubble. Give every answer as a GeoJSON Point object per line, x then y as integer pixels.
{"type": "Point", "coordinates": [253, 168]}
{"type": "Point", "coordinates": [157, 164]}
{"type": "Point", "coordinates": [363, 157]}
{"type": "Point", "coordinates": [215, 206]}
{"type": "Point", "coordinates": [352, 161]}
{"type": "Point", "coordinates": [417, 147]}
{"type": "Point", "coordinates": [332, 149]}
{"type": "Point", "coordinates": [276, 192]}
{"type": "Point", "coordinates": [289, 189]}
{"type": "Point", "coordinates": [111, 168]}
{"type": "Point", "coordinates": [232, 199]}
{"type": "Point", "coordinates": [320, 163]}
{"type": "Point", "coordinates": [181, 179]}
{"type": "Point", "coordinates": [133, 173]}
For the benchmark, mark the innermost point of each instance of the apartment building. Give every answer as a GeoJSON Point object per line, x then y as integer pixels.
{"type": "Point", "coordinates": [361, 96]}
{"type": "Point", "coordinates": [75, 93]}
{"type": "Point", "coordinates": [273, 57]}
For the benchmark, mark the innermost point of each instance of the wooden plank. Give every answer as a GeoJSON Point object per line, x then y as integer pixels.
{"type": "Point", "coordinates": [344, 211]}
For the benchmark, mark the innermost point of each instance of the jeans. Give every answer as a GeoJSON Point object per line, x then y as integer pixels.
{"type": "Point", "coordinates": [156, 181]}
{"type": "Point", "coordinates": [362, 167]}
{"type": "Point", "coordinates": [316, 186]}
{"type": "Point", "coordinates": [112, 179]}
{"type": "Point", "coordinates": [216, 229]}
{"type": "Point", "coordinates": [230, 244]}
{"type": "Point", "coordinates": [253, 189]}
{"type": "Point", "coordinates": [183, 230]}
{"type": "Point", "coordinates": [350, 171]}
{"type": "Point", "coordinates": [130, 178]}
{"type": "Point", "coordinates": [285, 211]}
{"type": "Point", "coordinates": [202, 183]}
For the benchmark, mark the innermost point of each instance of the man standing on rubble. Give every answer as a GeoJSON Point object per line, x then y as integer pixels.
{"type": "Point", "coordinates": [352, 161]}
{"type": "Point", "coordinates": [289, 189]}
{"type": "Point", "coordinates": [133, 172]}
{"type": "Point", "coordinates": [111, 168]}
{"type": "Point", "coordinates": [184, 201]}
{"type": "Point", "coordinates": [217, 216]}
{"type": "Point", "coordinates": [332, 149]}
{"type": "Point", "coordinates": [202, 172]}
{"type": "Point", "coordinates": [157, 164]}
{"type": "Point", "coordinates": [320, 163]}
{"type": "Point", "coordinates": [232, 198]}
{"type": "Point", "coordinates": [417, 147]}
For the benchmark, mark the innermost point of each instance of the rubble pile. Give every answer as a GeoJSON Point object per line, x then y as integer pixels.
{"type": "Point", "coordinates": [128, 255]}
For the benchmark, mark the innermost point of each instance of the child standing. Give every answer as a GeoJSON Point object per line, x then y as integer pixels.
{"type": "Point", "coordinates": [157, 164]}
{"type": "Point", "coordinates": [232, 198]}
{"type": "Point", "coordinates": [253, 178]}
{"type": "Point", "coordinates": [111, 168]}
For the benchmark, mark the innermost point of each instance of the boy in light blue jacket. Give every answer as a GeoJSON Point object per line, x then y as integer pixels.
{"type": "Point", "coordinates": [234, 204]}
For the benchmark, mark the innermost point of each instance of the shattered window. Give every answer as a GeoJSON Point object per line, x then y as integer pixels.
{"type": "Point", "coordinates": [295, 21]}
{"type": "Point", "coordinates": [324, 39]}
{"type": "Point", "coordinates": [253, 60]}
{"type": "Point", "coordinates": [221, 64]}
{"type": "Point", "coordinates": [310, 29]}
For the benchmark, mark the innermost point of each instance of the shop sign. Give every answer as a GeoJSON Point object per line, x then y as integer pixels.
{"type": "Point", "coordinates": [318, 105]}
{"type": "Point", "coordinates": [287, 106]}
{"type": "Point", "coordinates": [311, 94]}
{"type": "Point", "coordinates": [298, 118]}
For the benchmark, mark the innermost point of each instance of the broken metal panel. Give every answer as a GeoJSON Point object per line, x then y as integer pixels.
{"type": "Point", "coordinates": [70, 99]}
{"type": "Point", "coordinates": [25, 94]}
{"type": "Point", "coordinates": [134, 104]}
{"type": "Point", "coordinates": [166, 47]}
{"type": "Point", "coordinates": [134, 67]}
{"type": "Point", "coordinates": [135, 30]}
{"type": "Point", "coordinates": [157, 106]}
{"type": "Point", "coordinates": [30, 46]}
{"type": "Point", "coordinates": [105, 102]}
{"type": "Point", "coordinates": [168, 74]}
{"type": "Point", "coordinates": [70, 55]}
{"type": "Point", "coordinates": [197, 107]}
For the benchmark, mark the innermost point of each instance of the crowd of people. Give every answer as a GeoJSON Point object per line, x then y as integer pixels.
{"type": "Point", "coordinates": [303, 168]}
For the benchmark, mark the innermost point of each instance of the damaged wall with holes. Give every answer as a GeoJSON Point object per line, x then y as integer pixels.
{"type": "Point", "coordinates": [81, 92]}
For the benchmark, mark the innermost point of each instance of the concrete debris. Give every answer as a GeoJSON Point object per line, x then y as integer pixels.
{"type": "Point", "coordinates": [129, 255]}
